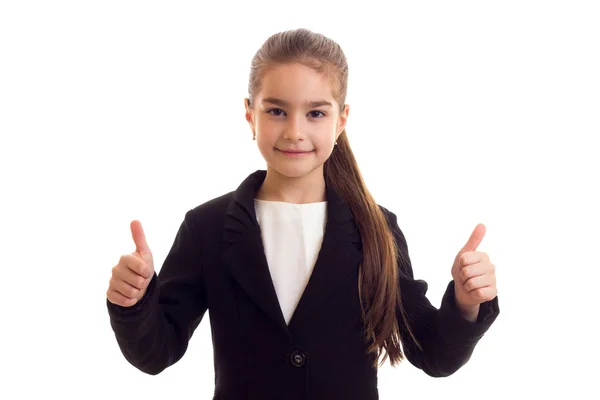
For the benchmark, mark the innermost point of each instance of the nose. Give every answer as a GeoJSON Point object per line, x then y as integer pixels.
{"type": "Point", "coordinates": [294, 128]}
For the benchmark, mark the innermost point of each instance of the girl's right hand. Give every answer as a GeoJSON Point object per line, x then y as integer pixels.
{"type": "Point", "coordinates": [132, 275]}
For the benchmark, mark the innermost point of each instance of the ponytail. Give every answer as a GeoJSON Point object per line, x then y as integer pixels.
{"type": "Point", "coordinates": [378, 286]}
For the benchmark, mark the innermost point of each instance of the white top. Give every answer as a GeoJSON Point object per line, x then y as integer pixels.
{"type": "Point", "coordinates": [292, 235]}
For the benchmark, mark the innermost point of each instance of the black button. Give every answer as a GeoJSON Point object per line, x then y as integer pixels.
{"type": "Point", "coordinates": [298, 358]}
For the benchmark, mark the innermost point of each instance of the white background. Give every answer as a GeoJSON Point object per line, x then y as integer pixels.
{"type": "Point", "coordinates": [461, 112]}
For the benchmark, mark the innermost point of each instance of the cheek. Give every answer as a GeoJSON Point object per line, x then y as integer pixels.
{"type": "Point", "coordinates": [324, 145]}
{"type": "Point", "coordinates": [267, 127]}
{"type": "Point", "coordinates": [325, 136]}
{"type": "Point", "coordinates": [265, 130]}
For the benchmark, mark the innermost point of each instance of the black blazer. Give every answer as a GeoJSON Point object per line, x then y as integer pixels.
{"type": "Point", "coordinates": [217, 263]}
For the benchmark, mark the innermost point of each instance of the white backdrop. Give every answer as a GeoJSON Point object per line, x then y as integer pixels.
{"type": "Point", "coordinates": [461, 112]}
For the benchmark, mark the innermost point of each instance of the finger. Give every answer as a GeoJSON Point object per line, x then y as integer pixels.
{"type": "Point", "coordinates": [124, 288]}
{"type": "Point", "coordinates": [485, 293]}
{"type": "Point", "coordinates": [475, 239]}
{"type": "Point", "coordinates": [479, 282]}
{"type": "Point", "coordinates": [136, 264]}
{"type": "Point", "coordinates": [131, 277]}
{"type": "Point", "coordinates": [473, 257]}
{"type": "Point", "coordinates": [139, 238]}
{"type": "Point", "coordinates": [477, 269]}
{"type": "Point", "coordinates": [118, 299]}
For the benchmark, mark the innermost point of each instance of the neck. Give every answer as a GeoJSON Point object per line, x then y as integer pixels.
{"type": "Point", "coordinates": [309, 188]}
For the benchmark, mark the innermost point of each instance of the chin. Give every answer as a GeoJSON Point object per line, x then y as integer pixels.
{"type": "Point", "coordinates": [293, 171]}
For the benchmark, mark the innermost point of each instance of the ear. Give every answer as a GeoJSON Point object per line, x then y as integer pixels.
{"type": "Point", "coordinates": [343, 119]}
{"type": "Point", "coordinates": [248, 110]}
{"type": "Point", "coordinates": [249, 114]}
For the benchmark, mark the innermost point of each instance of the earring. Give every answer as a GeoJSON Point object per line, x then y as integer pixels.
{"type": "Point", "coordinates": [254, 137]}
{"type": "Point", "coordinates": [335, 143]}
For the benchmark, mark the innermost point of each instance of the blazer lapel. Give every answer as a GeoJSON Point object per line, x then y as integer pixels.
{"type": "Point", "coordinates": [245, 254]}
{"type": "Point", "coordinates": [338, 257]}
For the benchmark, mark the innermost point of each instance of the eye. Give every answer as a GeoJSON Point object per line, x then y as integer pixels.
{"type": "Point", "coordinates": [277, 113]}
{"type": "Point", "coordinates": [316, 114]}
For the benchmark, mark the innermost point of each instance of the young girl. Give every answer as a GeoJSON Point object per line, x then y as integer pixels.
{"type": "Point", "coordinates": [308, 280]}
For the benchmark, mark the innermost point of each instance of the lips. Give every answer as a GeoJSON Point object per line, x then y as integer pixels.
{"type": "Point", "coordinates": [295, 151]}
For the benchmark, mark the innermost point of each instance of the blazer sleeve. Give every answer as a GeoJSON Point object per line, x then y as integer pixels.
{"type": "Point", "coordinates": [155, 332]}
{"type": "Point", "coordinates": [446, 339]}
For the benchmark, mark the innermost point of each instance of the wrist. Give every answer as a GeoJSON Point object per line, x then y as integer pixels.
{"type": "Point", "coordinates": [469, 313]}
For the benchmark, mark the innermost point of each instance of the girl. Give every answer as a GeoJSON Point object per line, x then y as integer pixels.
{"type": "Point", "coordinates": [308, 280]}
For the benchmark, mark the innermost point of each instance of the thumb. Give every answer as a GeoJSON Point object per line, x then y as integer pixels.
{"type": "Point", "coordinates": [475, 239]}
{"type": "Point", "coordinates": [139, 238]}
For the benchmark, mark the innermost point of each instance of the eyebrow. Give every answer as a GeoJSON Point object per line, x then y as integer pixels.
{"type": "Point", "coordinates": [284, 103]}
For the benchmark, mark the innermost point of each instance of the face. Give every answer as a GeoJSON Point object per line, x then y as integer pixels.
{"type": "Point", "coordinates": [296, 120]}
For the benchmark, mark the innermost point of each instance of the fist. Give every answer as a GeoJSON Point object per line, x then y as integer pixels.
{"type": "Point", "coordinates": [132, 275]}
{"type": "Point", "coordinates": [473, 273]}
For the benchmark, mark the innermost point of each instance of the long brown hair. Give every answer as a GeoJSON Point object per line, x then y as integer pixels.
{"type": "Point", "coordinates": [378, 275]}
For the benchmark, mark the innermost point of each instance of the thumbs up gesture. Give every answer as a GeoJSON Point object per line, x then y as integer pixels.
{"type": "Point", "coordinates": [474, 276]}
{"type": "Point", "coordinates": [132, 275]}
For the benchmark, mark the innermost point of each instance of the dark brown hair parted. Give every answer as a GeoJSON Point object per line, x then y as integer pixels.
{"type": "Point", "coordinates": [378, 275]}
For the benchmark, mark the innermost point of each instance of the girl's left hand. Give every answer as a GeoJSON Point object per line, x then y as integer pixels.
{"type": "Point", "coordinates": [474, 276]}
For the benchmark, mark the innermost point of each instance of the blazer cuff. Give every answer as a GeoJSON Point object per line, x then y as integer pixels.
{"type": "Point", "coordinates": [137, 319]}
{"type": "Point", "coordinates": [460, 330]}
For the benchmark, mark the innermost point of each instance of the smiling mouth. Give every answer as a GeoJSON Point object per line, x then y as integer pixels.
{"type": "Point", "coordinates": [295, 151]}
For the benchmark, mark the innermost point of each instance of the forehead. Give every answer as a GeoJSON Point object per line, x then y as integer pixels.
{"type": "Point", "coordinates": [295, 83]}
